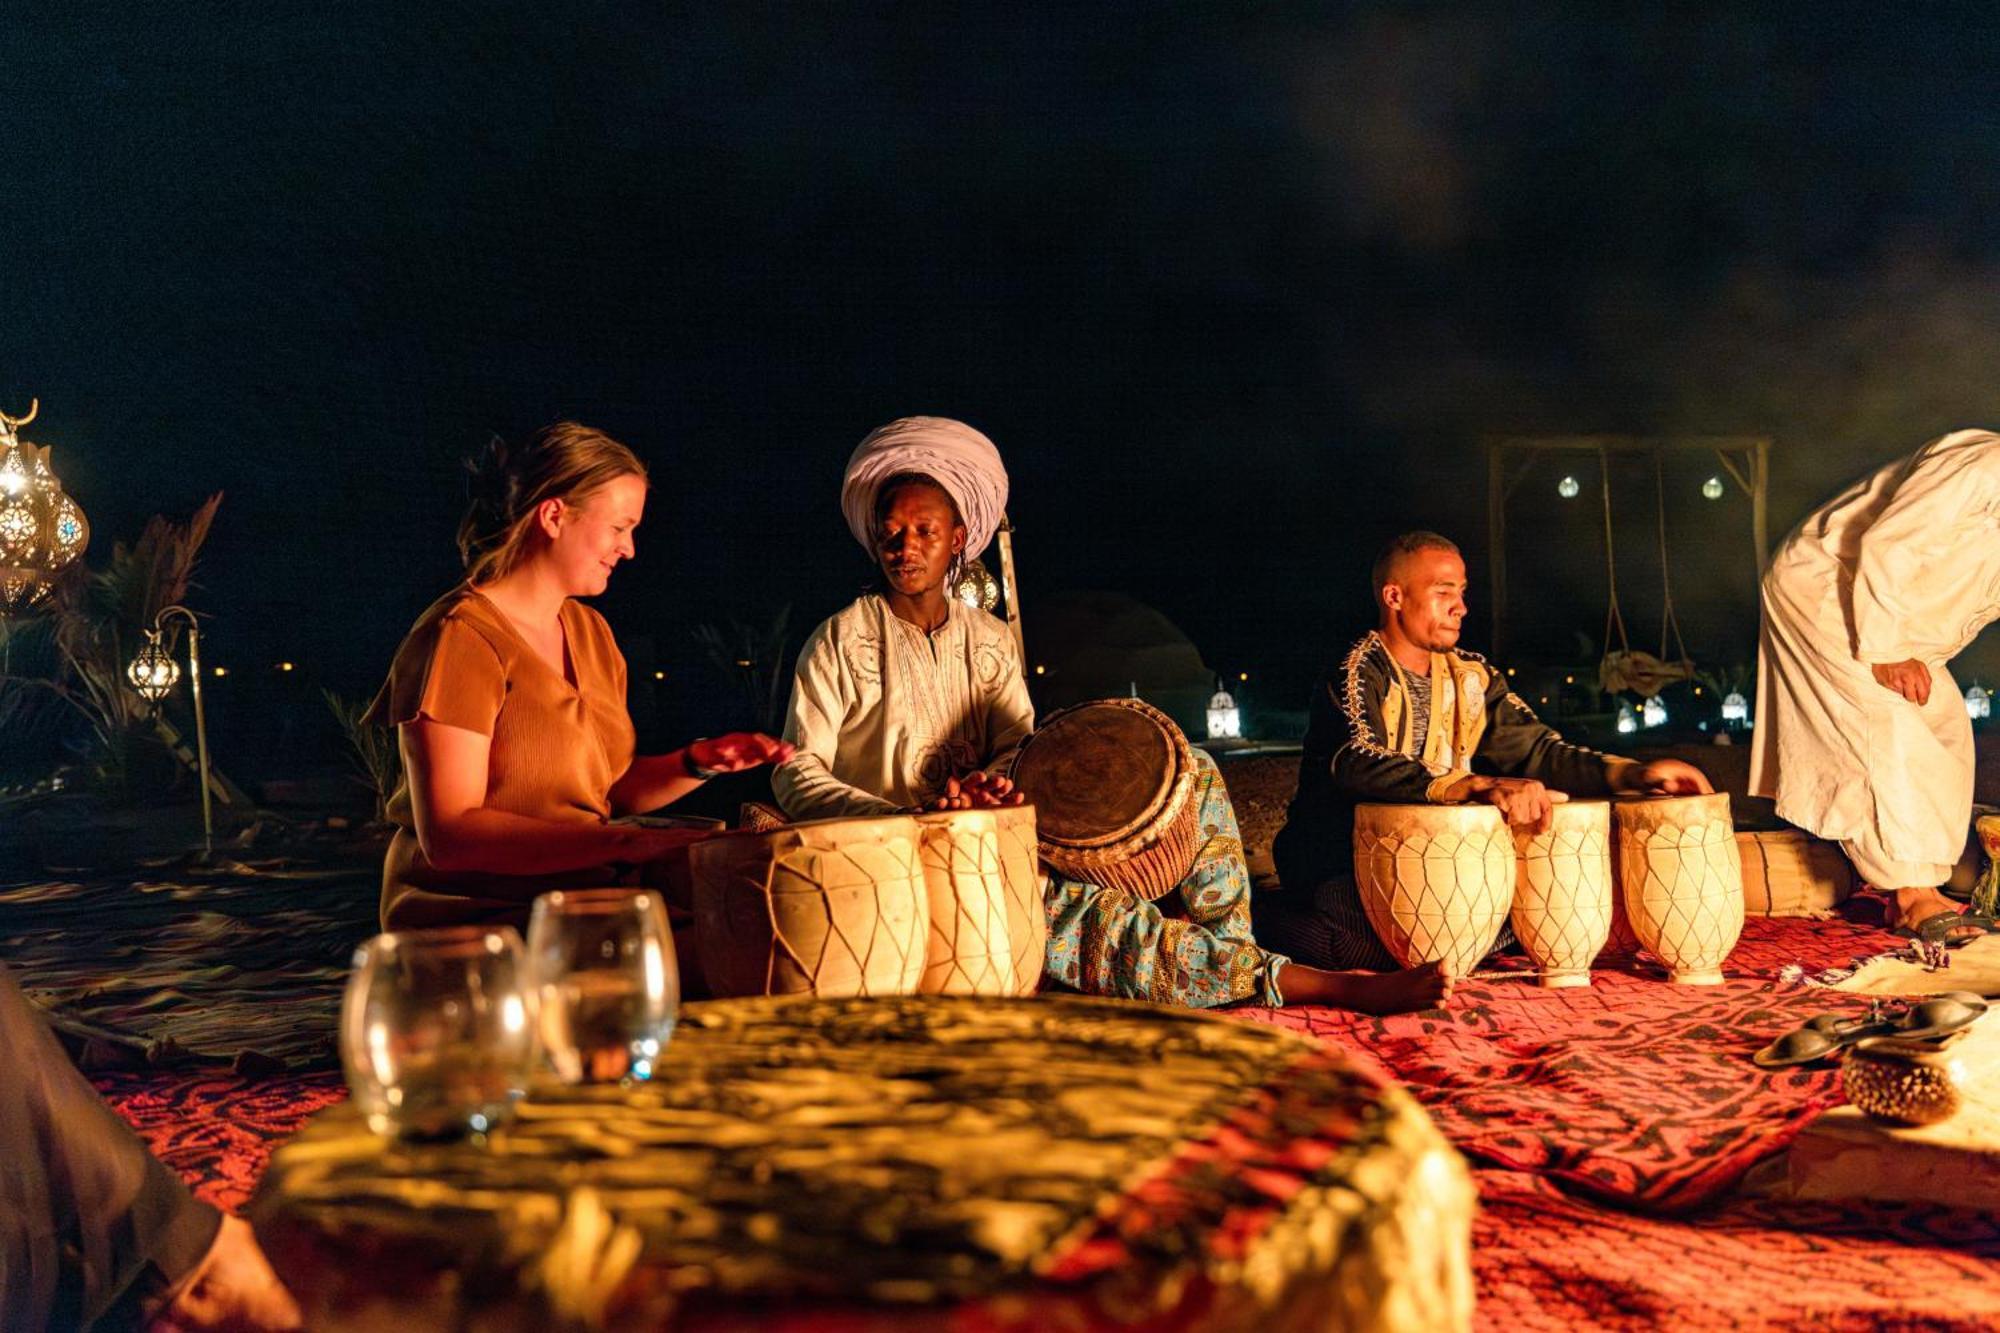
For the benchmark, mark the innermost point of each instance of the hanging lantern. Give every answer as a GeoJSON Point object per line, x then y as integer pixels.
{"type": "Point", "coordinates": [1978, 703]}
{"type": "Point", "coordinates": [1225, 720]}
{"type": "Point", "coordinates": [977, 587]}
{"type": "Point", "coordinates": [1712, 489]}
{"type": "Point", "coordinates": [1568, 488]}
{"type": "Point", "coordinates": [41, 529]}
{"type": "Point", "coordinates": [1628, 722]}
{"type": "Point", "coordinates": [1735, 710]}
{"type": "Point", "coordinates": [153, 673]}
{"type": "Point", "coordinates": [1653, 713]}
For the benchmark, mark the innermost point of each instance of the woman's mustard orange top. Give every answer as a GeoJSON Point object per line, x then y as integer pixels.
{"type": "Point", "coordinates": [557, 747]}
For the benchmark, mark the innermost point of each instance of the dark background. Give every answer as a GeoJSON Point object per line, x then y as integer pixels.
{"type": "Point", "coordinates": [1236, 288]}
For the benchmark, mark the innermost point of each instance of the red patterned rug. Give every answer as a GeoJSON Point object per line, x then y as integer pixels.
{"type": "Point", "coordinates": [1632, 1089]}
{"type": "Point", "coordinates": [218, 1130]}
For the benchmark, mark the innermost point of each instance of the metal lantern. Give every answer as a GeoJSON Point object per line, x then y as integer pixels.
{"type": "Point", "coordinates": [977, 587]}
{"type": "Point", "coordinates": [1712, 488]}
{"type": "Point", "coordinates": [1978, 703]}
{"type": "Point", "coordinates": [1225, 720]}
{"type": "Point", "coordinates": [1628, 722]}
{"type": "Point", "coordinates": [153, 673]}
{"type": "Point", "coordinates": [1653, 713]}
{"type": "Point", "coordinates": [1735, 710]}
{"type": "Point", "coordinates": [1568, 488]}
{"type": "Point", "coordinates": [41, 529]}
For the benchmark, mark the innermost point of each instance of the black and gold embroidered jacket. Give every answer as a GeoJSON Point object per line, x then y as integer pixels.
{"type": "Point", "coordinates": [1360, 747]}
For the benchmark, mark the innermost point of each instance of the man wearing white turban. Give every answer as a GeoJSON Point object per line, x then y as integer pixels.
{"type": "Point", "coordinates": [910, 699]}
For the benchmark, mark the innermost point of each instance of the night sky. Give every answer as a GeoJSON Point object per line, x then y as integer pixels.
{"type": "Point", "coordinates": [1237, 289]}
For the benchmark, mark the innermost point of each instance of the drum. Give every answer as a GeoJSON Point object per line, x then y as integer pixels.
{"type": "Point", "coordinates": [1436, 880]}
{"type": "Point", "coordinates": [1562, 892]}
{"type": "Point", "coordinates": [983, 938]}
{"type": "Point", "coordinates": [1681, 877]}
{"type": "Point", "coordinates": [1786, 873]}
{"type": "Point", "coordinates": [830, 907]}
{"type": "Point", "coordinates": [1112, 783]}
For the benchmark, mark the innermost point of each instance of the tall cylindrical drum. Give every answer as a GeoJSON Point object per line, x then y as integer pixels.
{"type": "Point", "coordinates": [1563, 892]}
{"type": "Point", "coordinates": [1027, 910]}
{"type": "Point", "coordinates": [1435, 880]}
{"type": "Point", "coordinates": [1681, 878]}
{"type": "Point", "coordinates": [975, 922]}
{"type": "Point", "coordinates": [830, 907]}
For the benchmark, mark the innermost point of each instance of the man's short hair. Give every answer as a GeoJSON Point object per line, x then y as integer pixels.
{"type": "Point", "coordinates": [1408, 544]}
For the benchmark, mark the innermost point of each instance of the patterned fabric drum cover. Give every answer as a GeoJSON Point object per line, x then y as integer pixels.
{"type": "Point", "coordinates": [909, 1164]}
{"type": "Point", "coordinates": [983, 938]}
{"type": "Point", "coordinates": [830, 907]}
{"type": "Point", "coordinates": [1562, 892]}
{"type": "Point", "coordinates": [1112, 783]}
{"type": "Point", "coordinates": [1786, 873]}
{"type": "Point", "coordinates": [1436, 880]}
{"type": "Point", "coordinates": [1681, 878]}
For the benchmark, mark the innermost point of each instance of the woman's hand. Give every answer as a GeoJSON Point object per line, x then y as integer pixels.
{"type": "Point", "coordinates": [735, 752]}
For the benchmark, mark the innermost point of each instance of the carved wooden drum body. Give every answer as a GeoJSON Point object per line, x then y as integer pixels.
{"type": "Point", "coordinates": [1436, 881]}
{"type": "Point", "coordinates": [987, 931]}
{"type": "Point", "coordinates": [1112, 783]}
{"type": "Point", "coordinates": [1681, 877]}
{"type": "Point", "coordinates": [830, 907]}
{"type": "Point", "coordinates": [1563, 892]}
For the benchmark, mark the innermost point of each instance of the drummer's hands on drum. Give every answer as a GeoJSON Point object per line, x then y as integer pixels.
{"type": "Point", "coordinates": [1660, 777]}
{"type": "Point", "coordinates": [1523, 802]}
{"type": "Point", "coordinates": [975, 791]}
{"type": "Point", "coordinates": [735, 752]}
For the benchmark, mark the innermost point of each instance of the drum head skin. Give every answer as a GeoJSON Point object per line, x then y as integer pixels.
{"type": "Point", "coordinates": [1097, 772]}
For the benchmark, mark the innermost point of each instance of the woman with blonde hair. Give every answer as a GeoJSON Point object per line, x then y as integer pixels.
{"type": "Point", "coordinates": [508, 698]}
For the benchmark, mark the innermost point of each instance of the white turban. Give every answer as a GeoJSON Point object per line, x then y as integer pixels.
{"type": "Point", "coordinates": [950, 453]}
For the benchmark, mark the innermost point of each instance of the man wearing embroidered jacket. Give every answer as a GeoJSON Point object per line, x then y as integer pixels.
{"type": "Point", "coordinates": [1410, 719]}
{"type": "Point", "coordinates": [1861, 732]}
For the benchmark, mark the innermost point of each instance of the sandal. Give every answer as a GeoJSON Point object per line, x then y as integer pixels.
{"type": "Point", "coordinates": [1828, 1034]}
{"type": "Point", "coordinates": [1938, 928]}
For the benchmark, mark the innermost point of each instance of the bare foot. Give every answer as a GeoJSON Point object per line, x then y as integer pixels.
{"type": "Point", "coordinates": [1916, 906]}
{"type": "Point", "coordinates": [232, 1289]}
{"type": "Point", "coordinates": [1424, 987]}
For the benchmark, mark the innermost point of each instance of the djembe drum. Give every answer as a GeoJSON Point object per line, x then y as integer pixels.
{"type": "Point", "coordinates": [1563, 891]}
{"type": "Point", "coordinates": [1681, 878]}
{"type": "Point", "coordinates": [1112, 783]}
{"type": "Point", "coordinates": [1436, 880]}
{"type": "Point", "coordinates": [830, 907]}
{"type": "Point", "coordinates": [987, 931]}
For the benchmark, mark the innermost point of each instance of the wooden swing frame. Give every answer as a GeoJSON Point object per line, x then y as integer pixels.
{"type": "Point", "coordinates": [1509, 459]}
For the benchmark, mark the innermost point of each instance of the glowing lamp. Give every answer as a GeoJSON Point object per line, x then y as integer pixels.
{"type": "Point", "coordinates": [977, 587]}
{"type": "Point", "coordinates": [1627, 722]}
{"type": "Point", "coordinates": [1653, 713]}
{"type": "Point", "coordinates": [1735, 710]}
{"type": "Point", "coordinates": [1568, 488]}
{"type": "Point", "coordinates": [1225, 720]}
{"type": "Point", "coordinates": [1712, 489]}
{"type": "Point", "coordinates": [1978, 703]}
{"type": "Point", "coordinates": [153, 673]}
{"type": "Point", "coordinates": [41, 529]}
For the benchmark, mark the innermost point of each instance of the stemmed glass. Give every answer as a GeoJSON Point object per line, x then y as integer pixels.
{"type": "Point", "coordinates": [609, 985]}
{"type": "Point", "coordinates": [437, 1030]}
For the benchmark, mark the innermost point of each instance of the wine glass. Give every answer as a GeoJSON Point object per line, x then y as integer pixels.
{"type": "Point", "coordinates": [437, 1030]}
{"type": "Point", "coordinates": [610, 987]}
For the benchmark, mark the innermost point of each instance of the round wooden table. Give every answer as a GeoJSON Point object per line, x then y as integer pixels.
{"type": "Point", "coordinates": [1052, 1162]}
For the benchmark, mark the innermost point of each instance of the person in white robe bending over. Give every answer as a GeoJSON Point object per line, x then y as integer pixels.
{"type": "Point", "coordinates": [1862, 735]}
